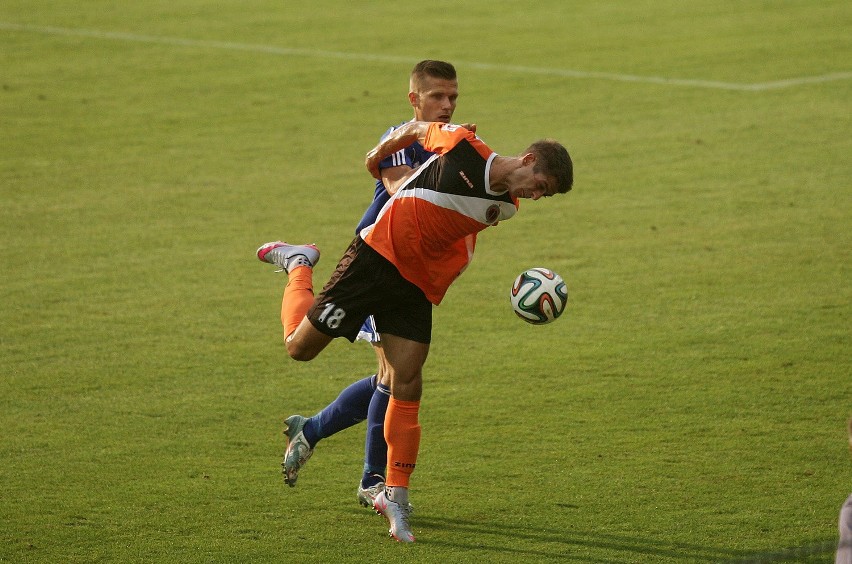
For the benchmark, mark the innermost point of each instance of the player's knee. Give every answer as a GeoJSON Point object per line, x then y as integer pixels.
{"type": "Point", "coordinates": [300, 354]}
{"type": "Point", "coordinates": [298, 351]}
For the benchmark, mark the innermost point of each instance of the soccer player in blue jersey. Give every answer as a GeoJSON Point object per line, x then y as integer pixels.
{"type": "Point", "coordinates": [433, 91]}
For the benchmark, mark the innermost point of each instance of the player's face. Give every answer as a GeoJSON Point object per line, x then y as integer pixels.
{"type": "Point", "coordinates": [435, 99]}
{"type": "Point", "coordinates": [524, 183]}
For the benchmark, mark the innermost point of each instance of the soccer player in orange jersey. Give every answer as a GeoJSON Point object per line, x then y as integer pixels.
{"type": "Point", "coordinates": [400, 266]}
{"type": "Point", "coordinates": [433, 92]}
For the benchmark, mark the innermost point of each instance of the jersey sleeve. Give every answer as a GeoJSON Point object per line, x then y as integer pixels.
{"type": "Point", "coordinates": [442, 137]}
{"type": "Point", "coordinates": [406, 156]}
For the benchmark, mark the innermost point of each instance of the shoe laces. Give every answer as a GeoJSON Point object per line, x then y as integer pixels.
{"type": "Point", "coordinates": [285, 263]}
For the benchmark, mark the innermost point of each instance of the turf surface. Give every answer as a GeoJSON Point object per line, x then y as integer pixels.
{"type": "Point", "coordinates": [690, 406]}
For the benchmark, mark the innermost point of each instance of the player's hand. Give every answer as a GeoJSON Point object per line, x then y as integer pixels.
{"type": "Point", "coordinates": [469, 126]}
{"type": "Point", "coordinates": [371, 161]}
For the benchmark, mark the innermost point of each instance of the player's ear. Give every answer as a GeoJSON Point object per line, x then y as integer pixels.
{"type": "Point", "coordinates": [413, 99]}
{"type": "Point", "coordinates": [528, 159]}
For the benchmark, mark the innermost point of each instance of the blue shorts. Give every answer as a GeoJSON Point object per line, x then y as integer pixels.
{"type": "Point", "coordinates": [368, 332]}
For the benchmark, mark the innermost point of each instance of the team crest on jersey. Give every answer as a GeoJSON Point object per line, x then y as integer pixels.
{"type": "Point", "coordinates": [492, 213]}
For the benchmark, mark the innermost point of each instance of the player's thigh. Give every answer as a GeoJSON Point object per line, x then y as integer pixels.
{"type": "Point", "coordinates": [405, 360]}
{"type": "Point", "coordinates": [305, 343]}
{"type": "Point", "coordinates": [383, 371]}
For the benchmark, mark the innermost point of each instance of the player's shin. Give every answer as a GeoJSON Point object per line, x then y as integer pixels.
{"type": "Point", "coordinates": [297, 300]}
{"type": "Point", "coordinates": [402, 433]}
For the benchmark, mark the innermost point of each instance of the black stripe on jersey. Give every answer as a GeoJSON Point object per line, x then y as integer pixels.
{"type": "Point", "coordinates": [460, 171]}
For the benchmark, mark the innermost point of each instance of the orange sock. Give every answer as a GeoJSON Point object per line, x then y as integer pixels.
{"type": "Point", "coordinates": [402, 433]}
{"type": "Point", "coordinates": [298, 297]}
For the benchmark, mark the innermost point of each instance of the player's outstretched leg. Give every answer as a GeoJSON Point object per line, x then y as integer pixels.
{"type": "Point", "coordinates": [287, 257]}
{"type": "Point", "coordinates": [298, 262]}
{"type": "Point", "coordinates": [396, 512]}
{"type": "Point", "coordinates": [298, 450]}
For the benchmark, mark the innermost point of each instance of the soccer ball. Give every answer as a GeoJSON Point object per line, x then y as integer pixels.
{"type": "Point", "coordinates": [539, 296]}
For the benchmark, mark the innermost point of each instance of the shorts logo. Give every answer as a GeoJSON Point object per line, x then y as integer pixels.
{"type": "Point", "coordinates": [492, 213]}
{"type": "Point", "coordinates": [466, 179]}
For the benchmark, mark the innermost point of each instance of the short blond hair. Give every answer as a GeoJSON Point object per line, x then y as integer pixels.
{"type": "Point", "coordinates": [432, 69]}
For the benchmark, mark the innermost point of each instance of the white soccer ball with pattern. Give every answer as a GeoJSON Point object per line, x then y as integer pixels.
{"type": "Point", "coordinates": [539, 296]}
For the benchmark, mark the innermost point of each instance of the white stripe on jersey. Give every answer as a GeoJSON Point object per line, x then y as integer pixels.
{"type": "Point", "coordinates": [399, 158]}
{"type": "Point", "coordinates": [470, 206]}
{"type": "Point", "coordinates": [396, 194]}
{"type": "Point", "coordinates": [488, 176]}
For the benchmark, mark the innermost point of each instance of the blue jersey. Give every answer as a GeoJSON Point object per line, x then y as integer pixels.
{"type": "Point", "coordinates": [414, 155]}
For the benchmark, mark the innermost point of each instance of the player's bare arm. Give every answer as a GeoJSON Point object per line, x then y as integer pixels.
{"type": "Point", "coordinates": [394, 177]}
{"type": "Point", "coordinates": [400, 138]}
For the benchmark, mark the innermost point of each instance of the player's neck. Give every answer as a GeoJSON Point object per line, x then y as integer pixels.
{"type": "Point", "coordinates": [501, 168]}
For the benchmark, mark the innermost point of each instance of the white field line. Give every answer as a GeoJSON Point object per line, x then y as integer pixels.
{"type": "Point", "coordinates": [541, 71]}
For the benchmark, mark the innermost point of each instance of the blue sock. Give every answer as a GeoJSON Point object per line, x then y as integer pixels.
{"type": "Point", "coordinates": [349, 408]}
{"type": "Point", "coordinates": [375, 447]}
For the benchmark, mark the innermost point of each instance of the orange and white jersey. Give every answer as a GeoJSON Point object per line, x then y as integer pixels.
{"type": "Point", "coordinates": [428, 228]}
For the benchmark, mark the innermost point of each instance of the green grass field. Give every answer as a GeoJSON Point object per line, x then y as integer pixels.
{"type": "Point", "coordinates": [689, 407]}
